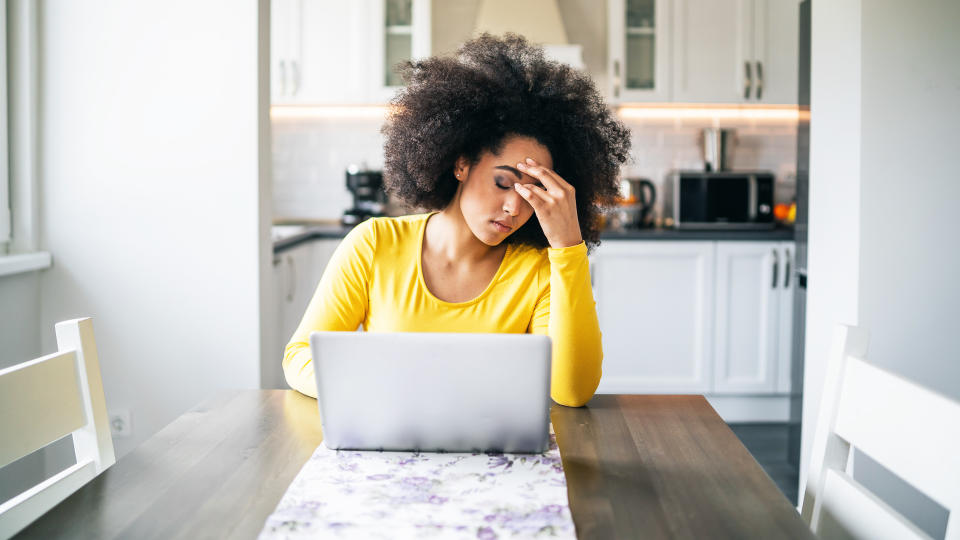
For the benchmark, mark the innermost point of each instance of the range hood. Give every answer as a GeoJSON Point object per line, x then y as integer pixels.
{"type": "Point", "coordinates": [537, 20]}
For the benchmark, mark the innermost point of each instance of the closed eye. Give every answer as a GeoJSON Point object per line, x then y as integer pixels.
{"type": "Point", "coordinates": [507, 183]}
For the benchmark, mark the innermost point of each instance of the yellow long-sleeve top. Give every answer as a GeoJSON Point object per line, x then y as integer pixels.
{"type": "Point", "coordinates": [375, 279]}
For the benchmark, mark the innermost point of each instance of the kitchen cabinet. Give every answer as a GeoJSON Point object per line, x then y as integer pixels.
{"type": "Point", "coordinates": [655, 305]}
{"type": "Point", "coordinates": [787, 283]}
{"type": "Point", "coordinates": [735, 51]}
{"type": "Point", "coordinates": [747, 314]}
{"type": "Point", "coordinates": [402, 32]}
{"type": "Point", "coordinates": [638, 50]}
{"type": "Point", "coordinates": [343, 52]}
{"type": "Point", "coordinates": [706, 317]}
{"type": "Point", "coordinates": [296, 272]}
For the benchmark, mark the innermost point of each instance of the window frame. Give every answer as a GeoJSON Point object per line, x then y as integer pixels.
{"type": "Point", "coordinates": [6, 213]}
{"type": "Point", "coordinates": [19, 186]}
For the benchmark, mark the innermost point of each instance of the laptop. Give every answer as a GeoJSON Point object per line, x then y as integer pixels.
{"type": "Point", "coordinates": [433, 392]}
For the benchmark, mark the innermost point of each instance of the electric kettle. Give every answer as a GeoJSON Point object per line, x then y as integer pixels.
{"type": "Point", "coordinates": [637, 198]}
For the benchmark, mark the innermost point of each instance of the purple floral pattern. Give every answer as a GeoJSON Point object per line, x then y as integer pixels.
{"type": "Point", "coordinates": [370, 494]}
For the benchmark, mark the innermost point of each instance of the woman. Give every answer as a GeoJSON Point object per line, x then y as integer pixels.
{"type": "Point", "coordinates": [511, 154]}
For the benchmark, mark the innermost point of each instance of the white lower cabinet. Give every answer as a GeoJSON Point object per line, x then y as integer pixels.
{"type": "Point", "coordinates": [703, 317]}
{"type": "Point", "coordinates": [296, 272]}
{"type": "Point", "coordinates": [655, 305]}
{"type": "Point", "coordinates": [746, 317]}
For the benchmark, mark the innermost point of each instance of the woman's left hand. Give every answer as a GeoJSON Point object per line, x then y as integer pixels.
{"type": "Point", "coordinates": [555, 204]}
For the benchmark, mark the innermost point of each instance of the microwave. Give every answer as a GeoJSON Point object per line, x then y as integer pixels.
{"type": "Point", "coordinates": [720, 200]}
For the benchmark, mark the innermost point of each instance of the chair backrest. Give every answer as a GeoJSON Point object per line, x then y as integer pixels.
{"type": "Point", "coordinates": [912, 431]}
{"type": "Point", "coordinates": [43, 400]}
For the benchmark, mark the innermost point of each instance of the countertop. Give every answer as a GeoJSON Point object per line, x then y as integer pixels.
{"type": "Point", "coordinates": [288, 236]}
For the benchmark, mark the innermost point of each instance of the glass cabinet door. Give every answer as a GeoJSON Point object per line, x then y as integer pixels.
{"type": "Point", "coordinates": [398, 38]}
{"type": "Point", "coordinates": [640, 54]}
{"type": "Point", "coordinates": [402, 33]}
{"type": "Point", "coordinates": [638, 50]}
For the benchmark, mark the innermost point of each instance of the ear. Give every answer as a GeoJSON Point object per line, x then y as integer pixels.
{"type": "Point", "coordinates": [461, 168]}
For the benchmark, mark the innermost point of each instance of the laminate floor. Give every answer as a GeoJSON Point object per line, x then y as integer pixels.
{"type": "Point", "coordinates": [768, 444]}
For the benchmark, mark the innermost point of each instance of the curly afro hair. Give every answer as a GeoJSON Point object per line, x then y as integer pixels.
{"type": "Point", "coordinates": [491, 89]}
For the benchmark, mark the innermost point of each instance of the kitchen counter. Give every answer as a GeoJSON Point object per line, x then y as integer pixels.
{"type": "Point", "coordinates": [288, 236]}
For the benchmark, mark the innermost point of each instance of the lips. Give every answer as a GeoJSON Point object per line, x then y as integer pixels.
{"type": "Point", "coordinates": [502, 227]}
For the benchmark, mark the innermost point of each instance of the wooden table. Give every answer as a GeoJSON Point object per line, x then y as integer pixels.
{"type": "Point", "coordinates": [636, 466]}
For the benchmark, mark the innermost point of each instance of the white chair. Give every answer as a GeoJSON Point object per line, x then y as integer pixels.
{"type": "Point", "coordinates": [910, 430]}
{"type": "Point", "coordinates": [43, 400]}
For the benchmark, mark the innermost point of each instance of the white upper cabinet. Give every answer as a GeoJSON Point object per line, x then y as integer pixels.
{"type": "Point", "coordinates": [734, 51]}
{"type": "Point", "coordinates": [710, 39]}
{"type": "Point", "coordinates": [402, 33]}
{"type": "Point", "coordinates": [638, 46]}
{"type": "Point", "coordinates": [326, 52]}
{"type": "Point", "coordinates": [776, 50]}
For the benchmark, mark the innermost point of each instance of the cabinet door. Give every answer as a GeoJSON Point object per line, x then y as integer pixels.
{"type": "Point", "coordinates": [785, 318]}
{"type": "Point", "coordinates": [638, 50]}
{"type": "Point", "coordinates": [321, 51]}
{"type": "Point", "coordinates": [776, 28]}
{"type": "Point", "coordinates": [654, 302]}
{"type": "Point", "coordinates": [271, 372]}
{"type": "Point", "coordinates": [400, 32]}
{"type": "Point", "coordinates": [303, 268]}
{"type": "Point", "coordinates": [712, 41]}
{"type": "Point", "coordinates": [284, 47]}
{"type": "Point", "coordinates": [335, 48]}
{"type": "Point", "coordinates": [747, 311]}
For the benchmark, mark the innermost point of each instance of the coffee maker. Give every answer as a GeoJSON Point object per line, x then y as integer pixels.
{"type": "Point", "coordinates": [369, 198]}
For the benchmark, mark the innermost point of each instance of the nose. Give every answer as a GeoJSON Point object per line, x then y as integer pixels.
{"type": "Point", "coordinates": [512, 204]}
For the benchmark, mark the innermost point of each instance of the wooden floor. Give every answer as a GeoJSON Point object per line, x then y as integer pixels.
{"type": "Point", "coordinates": [768, 444]}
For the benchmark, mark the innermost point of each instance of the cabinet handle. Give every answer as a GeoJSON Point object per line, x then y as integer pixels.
{"type": "Point", "coordinates": [759, 80]}
{"type": "Point", "coordinates": [747, 81]}
{"type": "Point", "coordinates": [616, 78]}
{"type": "Point", "coordinates": [293, 279]}
{"type": "Point", "coordinates": [776, 267]}
{"type": "Point", "coordinates": [283, 77]}
{"type": "Point", "coordinates": [786, 274]}
{"type": "Point", "coordinates": [295, 75]}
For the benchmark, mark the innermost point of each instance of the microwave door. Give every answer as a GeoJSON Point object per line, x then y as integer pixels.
{"type": "Point", "coordinates": [727, 199]}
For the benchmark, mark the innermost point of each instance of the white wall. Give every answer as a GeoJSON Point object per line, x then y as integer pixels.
{"type": "Point", "coordinates": [154, 134]}
{"type": "Point", "coordinates": [833, 256]}
{"type": "Point", "coordinates": [886, 191]}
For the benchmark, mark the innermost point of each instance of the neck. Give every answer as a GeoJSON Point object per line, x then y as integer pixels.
{"type": "Point", "coordinates": [449, 237]}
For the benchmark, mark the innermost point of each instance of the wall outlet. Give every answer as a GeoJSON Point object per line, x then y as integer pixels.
{"type": "Point", "coordinates": [120, 423]}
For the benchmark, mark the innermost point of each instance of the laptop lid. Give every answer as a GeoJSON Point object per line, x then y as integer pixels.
{"type": "Point", "coordinates": [454, 392]}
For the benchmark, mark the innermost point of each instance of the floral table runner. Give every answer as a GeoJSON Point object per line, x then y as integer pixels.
{"type": "Point", "coordinates": [371, 494]}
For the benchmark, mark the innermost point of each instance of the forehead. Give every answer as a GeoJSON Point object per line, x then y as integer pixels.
{"type": "Point", "coordinates": [516, 148]}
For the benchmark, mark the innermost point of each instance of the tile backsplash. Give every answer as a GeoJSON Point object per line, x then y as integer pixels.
{"type": "Point", "coordinates": [311, 155]}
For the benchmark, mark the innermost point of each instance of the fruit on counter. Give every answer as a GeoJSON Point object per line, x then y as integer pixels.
{"type": "Point", "coordinates": [792, 213]}
{"type": "Point", "coordinates": [781, 211]}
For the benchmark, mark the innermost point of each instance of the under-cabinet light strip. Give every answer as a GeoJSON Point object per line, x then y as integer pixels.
{"type": "Point", "coordinates": [638, 111]}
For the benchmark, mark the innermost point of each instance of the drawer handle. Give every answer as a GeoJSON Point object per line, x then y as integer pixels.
{"type": "Point", "coordinates": [759, 80]}
{"type": "Point", "coordinates": [786, 274]}
{"type": "Point", "coordinates": [776, 268]}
